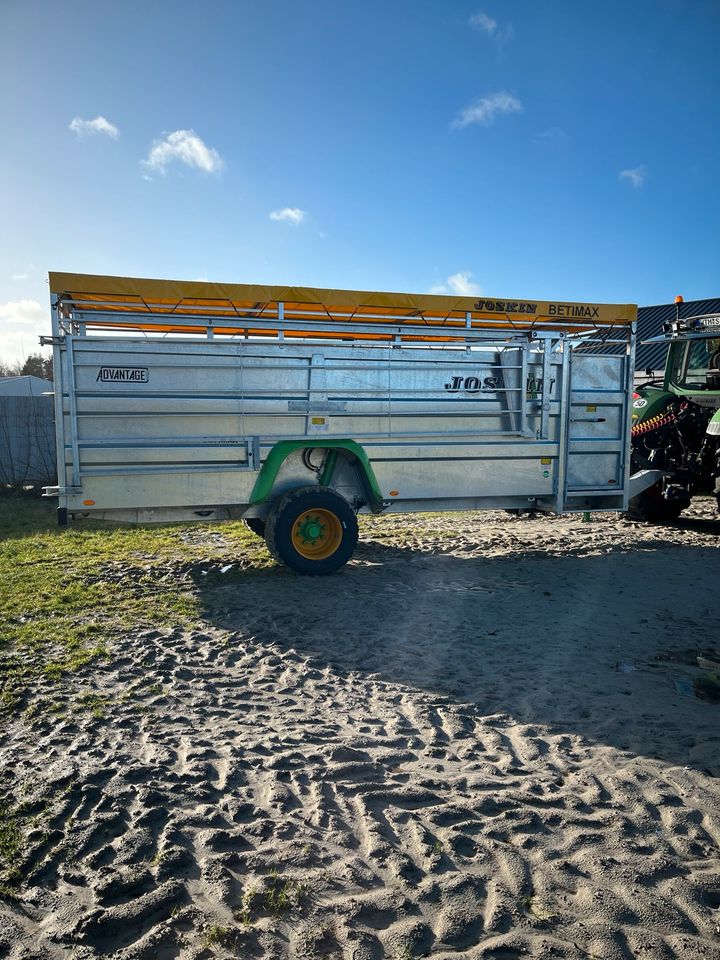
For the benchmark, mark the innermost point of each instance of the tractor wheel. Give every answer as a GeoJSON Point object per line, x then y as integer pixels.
{"type": "Point", "coordinates": [312, 530]}
{"type": "Point", "coordinates": [651, 507]}
{"type": "Point", "coordinates": [256, 524]}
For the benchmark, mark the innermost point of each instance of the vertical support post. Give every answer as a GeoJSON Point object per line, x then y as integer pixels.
{"type": "Point", "coordinates": [253, 451]}
{"type": "Point", "coordinates": [58, 386]}
{"type": "Point", "coordinates": [241, 358]}
{"type": "Point", "coordinates": [563, 428]}
{"type": "Point", "coordinates": [522, 390]}
{"type": "Point", "coordinates": [629, 389]}
{"type": "Point", "coordinates": [509, 375]}
{"type": "Point", "coordinates": [281, 318]}
{"type": "Point", "coordinates": [317, 396]}
{"type": "Point", "coordinates": [389, 393]}
{"type": "Point", "coordinates": [546, 378]}
{"type": "Point", "coordinates": [74, 444]}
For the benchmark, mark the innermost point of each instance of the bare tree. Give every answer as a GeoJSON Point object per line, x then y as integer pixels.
{"type": "Point", "coordinates": [10, 369]}
{"type": "Point", "coordinates": [35, 365]}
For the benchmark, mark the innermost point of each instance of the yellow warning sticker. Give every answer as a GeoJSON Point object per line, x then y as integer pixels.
{"type": "Point", "coordinates": [592, 408]}
{"type": "Point", "coordinates": [318, 420]}
{"type": "Point", "coordinates": [545, 461]}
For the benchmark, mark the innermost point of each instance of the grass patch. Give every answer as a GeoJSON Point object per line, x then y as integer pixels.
{"type": "Point", "coordinates": [244, 915]}
{"type": "Point", "coordinates": [282, 894]}
{"type": "Point", "coordinates": [403, 953]}
{"type": "Point", "coordinates": [16, 824]}
{"type": "Point", "coordinates": [12, 842]}
{"type": "Point", "coordinates": [66, 592]}
{"type": "Point", "coordinates": [218, 936]}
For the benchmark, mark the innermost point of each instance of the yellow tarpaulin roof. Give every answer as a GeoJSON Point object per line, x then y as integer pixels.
{"type": "Point", "coordinates": [166, 298]}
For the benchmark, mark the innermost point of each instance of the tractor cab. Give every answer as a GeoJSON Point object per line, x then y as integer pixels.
{"type": "Point", "coordinates": [693, 362]}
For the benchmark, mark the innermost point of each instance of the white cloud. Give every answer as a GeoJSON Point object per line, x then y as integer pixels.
{"type": "Point", "coordinates": [98, 125]}
{"type": "Point", "coordinates": [22, 322]}
{"type": "Point", "coordinates": [487, 108]}
{"type": "Point", "coordinates": [292, 215]}
{"type": "Point", "coordinates": [504, 35]}
{"type": "Point", "coordinates": [551, 135]}
{"type": "Point", "coordinates": [481, 21]}
{"type": "Point", "coordinates": [23, 311]}
{"type": "Point", "coordinates": [183, 146]}
{"type": "Point", "coordinates": [20, 276]}
{"type": "Point", "coordinates": [490, 27]}
{"type": "Point", "coordinates": [635, 176]}
{"type": "Point", "coordinates": [458, 284]}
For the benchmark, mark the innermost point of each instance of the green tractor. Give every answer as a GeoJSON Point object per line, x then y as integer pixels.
{"type": "Point", "coordinates": [676, 421]}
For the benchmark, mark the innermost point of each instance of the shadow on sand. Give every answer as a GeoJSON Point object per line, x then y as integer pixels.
{"type": "Point", "coordinates": [590, 644]}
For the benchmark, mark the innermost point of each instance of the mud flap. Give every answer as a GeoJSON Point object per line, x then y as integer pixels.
{"type": "Point", "coordinates": [643, 480]}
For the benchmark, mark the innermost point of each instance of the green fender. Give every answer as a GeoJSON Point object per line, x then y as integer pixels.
{"type": "Point", "coordinates": [650, 402]}
{"type": "Point", "coordinates": [279, 453]}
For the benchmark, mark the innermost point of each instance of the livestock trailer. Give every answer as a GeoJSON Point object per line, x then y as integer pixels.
{"type": "Point", "coordinates": [298, 408]}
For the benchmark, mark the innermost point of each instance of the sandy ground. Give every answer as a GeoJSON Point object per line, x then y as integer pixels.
{"type": "Point", "coordinates": [479, 739]}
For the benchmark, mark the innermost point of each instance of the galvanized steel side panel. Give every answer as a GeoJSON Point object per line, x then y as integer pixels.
{"type": "Point", "coordinates": [151, 424]}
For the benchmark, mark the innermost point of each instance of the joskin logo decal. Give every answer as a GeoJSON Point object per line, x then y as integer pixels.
{"type": "Point", "coordinates": [568, 310]}
{"type": "Point", "coordinates": [533, 385]}
{"type": "Point", "coordinates": [122, 375]}
{"type": "Point", "coordinates": [505, 306]}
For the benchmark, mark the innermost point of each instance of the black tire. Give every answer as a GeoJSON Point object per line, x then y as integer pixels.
{"type": "Point", "coordinates": [257, 525]}
{"type": "Point", "coordinates": [326, 511]}
{"type": "Point", "coordinates": [651, 507]}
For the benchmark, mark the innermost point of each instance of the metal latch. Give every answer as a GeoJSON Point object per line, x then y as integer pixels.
{"type": "Point", "coordinates": [57, 491]}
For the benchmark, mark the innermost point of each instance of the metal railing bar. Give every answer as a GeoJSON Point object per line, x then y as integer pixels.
{"type": "Point", "coordinates": [366, 366]}
{"type": "Point", "coordinates": [391, 326]}
{"type": "Point", "coordinates": [418, 415]}
{"type": "Point", "coordinates": [350, 394]}
{"type": "Point", "coordinates": [269, 439]}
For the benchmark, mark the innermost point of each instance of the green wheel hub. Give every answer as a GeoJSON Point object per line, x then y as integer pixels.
{"type": "Point", "coordinates": [311, 529]}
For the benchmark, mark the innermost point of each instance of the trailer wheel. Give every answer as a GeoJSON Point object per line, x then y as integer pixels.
{"type": "Point", "coordinates": [312, 530]}
{"type": "Point", "coordinates": [256, 524]}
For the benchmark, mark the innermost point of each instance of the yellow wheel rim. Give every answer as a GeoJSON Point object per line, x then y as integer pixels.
{"type": "Point", "coordinates": [316, 534]}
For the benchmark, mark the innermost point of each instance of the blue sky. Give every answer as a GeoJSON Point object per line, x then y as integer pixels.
{"type": "Point", "coordinates": [523, 148]}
